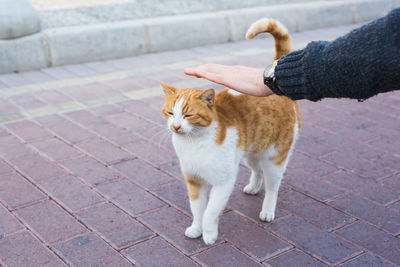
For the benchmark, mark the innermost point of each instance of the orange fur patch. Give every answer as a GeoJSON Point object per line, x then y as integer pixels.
{"type": "Point", "coordinates": [194, 186]}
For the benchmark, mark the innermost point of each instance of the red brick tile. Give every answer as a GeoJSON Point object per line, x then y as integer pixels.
{"type": "Point", "coordinates": [6, 107]}
{"type": "Point", "coordinates": [243, 176]}
{"type": "Point", "coordinates": [49, 120]}
{"type": "Point", "coordinates": [37, 168]}
{"type": "Point", "coordinates": [315, 211]}
{"type": "Point", "coordinates": [53, 97]}
{"type": "Point", "coordinates": [88, 92]}
{"type": "Point", "coordinates": [36, 76]}
{"type": "Point", "coordinates": [155, 102]}
{"type": "Point", "coordinates": [150, 152]}
{"type": "Point", "coordinates": [294, 258]}
{"type": "Point", "coordinates": [250, 237]}
{"type": "Point", "coordinates": [50, 222]}
{"type": "Point", "coordinates": [90, 170]}
{"type": "Point", "coordinates": [225, 255]}
{"type": "Point", "coordinates": [8, 223]}
{"type": "Point", "coordinates": [142, 173]}
{"type": "Point", "coordinates": [105, 110]}
{"type": "Point", "coordinates": [58, 73]}
{"type": "Point", "coordinates": [70, 131]}
{"type": "Point", "coordinates": [174, 194]}
{"type": "Point", "coordinates": [11, 143]}
{"type": "Point", "coordinates": [396, 206]}
{"type": "Point", "coordinates": [124, 85]}
{"type": "Point", "coordinates": [382, 131]}
{"type": "Point", "coordinates": [311, 132]}
{"type": "Point", "coordinates": [171, 225]}
{"type": "Point", "coordinates": [367, 187]}
{"type": "Point", "coordinates": [389, 161]}
{"type": "Point", "coordinates": [130, 197]}
{"type": "Point", "coordinates": [166, 254]}
{"type": "Point", "coordinates": [314, 166]}
{"type": "Point", "coordinates": [71, 193]}
{"type": "Point", "coordinates": [28, 130]}
{"type": "Point", "coordinates": [84, 117]}
{"type": "Point", "coordinates": [393, 181]}
{"type": "Point", "coordinates": [311, 147]}
{"type": "Point", "coordinates": [104, 151]}
{"type": "Point", "coordinates": [27, 101]}
{"type": "Point", "coordinates": [5, 168]}
{"type": "Point", "coordinates": [16, 191]}
{"type": "Point", "coordinates": [22, 249]}
{"type": "Point", "coordinates": [369, 211]}
{"type": "Point", "coordinates": [250, 205]}
{"type": "Point", "coordinates": [142, 109]}
{"type": "Point", "coordinates": [57, 149]}
{"type": "Point", "coordinates": [363, 167]}
{"type": "Point", "coordinates": [80, 70]}
{"type": "Point", "coordinates": [90, 250]}
{"type": "Point", "coordinates": [14, 79]}
{"type": "Point", "coordinates": [386, 144]}
{"type": "Point", "coordinates": [314, 240]}
{"type": "Point", "coordinates": [311, 185]}
{"type": "Point", "coordinates": [372, 239]}
{"type": "Point", "coordinates": [114, 225]}
{"type": "Point", "coordinates": [365, 260]}
{"type": "Point", "coordinates": [100, 66]}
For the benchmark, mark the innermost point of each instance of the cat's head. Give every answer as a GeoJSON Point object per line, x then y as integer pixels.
{"type": "Point", "coordinates": [188, 111]}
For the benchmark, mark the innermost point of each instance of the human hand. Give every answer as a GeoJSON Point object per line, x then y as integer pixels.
{"type": "Point", "coordinates": [240, 78]}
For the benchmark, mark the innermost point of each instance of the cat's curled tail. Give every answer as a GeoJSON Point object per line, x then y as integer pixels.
{"type": "Point", "coordinates": [278, 31]}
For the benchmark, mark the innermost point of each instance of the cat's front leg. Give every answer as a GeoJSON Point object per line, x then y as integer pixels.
{"type": "Point", "coordinates": [197, 191]}
{"type": "Point", "coordinates": [219, 196]}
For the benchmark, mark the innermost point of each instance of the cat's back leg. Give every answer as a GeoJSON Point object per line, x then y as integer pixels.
{"type": "Point", "coordinates": [253, 163]}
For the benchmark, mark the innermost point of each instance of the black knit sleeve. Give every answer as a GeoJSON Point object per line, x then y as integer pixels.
{"type": "Point", "coordinates": [358, 65]}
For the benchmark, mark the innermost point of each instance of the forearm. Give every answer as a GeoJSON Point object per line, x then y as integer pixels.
{"type": "Point", "coordinates": [358, 65]}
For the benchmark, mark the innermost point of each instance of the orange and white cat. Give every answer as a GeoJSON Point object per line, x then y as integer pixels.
{"type": "Point", "coordinates": [212, 134]}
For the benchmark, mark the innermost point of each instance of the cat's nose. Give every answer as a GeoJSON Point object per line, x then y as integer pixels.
{"type": "Point", "coordinates": [176, 127]}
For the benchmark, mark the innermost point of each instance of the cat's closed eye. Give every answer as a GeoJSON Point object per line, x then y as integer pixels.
{"type": "Point", "coordinates": [187, 116]}
{"type": "Point", "coordinates": [170, 113]}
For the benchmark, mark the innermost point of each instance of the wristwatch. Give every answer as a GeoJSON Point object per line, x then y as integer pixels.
{"type": "Point", "coordinates": [270, 80]}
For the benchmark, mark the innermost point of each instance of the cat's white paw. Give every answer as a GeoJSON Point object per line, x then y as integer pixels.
{"type": "Point", "coordinates": [267, 216]}
{"type": "Point", "coordinates": [210, 237]}
{"type": "Point", "coordinates": [250, 189]}
{"type": "Point", "coordinates": [193, 232]}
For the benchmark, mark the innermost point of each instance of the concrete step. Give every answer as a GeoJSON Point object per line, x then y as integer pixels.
{"type": "Point", "coordinates": [56, 46]}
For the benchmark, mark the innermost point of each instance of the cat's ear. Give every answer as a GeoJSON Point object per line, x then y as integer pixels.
{"type": "Point", "coordinates": [208, 96]}
{"type": "Point", "coordinates": [168, 89]}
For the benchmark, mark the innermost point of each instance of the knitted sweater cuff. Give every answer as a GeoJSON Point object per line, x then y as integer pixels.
{"type": "Point", "coordinates": [292, 70]}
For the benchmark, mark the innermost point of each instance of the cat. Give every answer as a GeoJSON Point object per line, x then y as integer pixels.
{"type": "Point", "coordinates": [213, 133]}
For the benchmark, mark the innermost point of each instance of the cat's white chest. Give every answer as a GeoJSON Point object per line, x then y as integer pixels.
{"type": "Point", "coordinates": [202, 157]}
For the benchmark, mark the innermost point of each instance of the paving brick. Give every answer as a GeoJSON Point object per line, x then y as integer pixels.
{"type": "Point", "coordinates": [88, 92]}
{"type": "Point", "coordinates": [369, 211]}
{"type": "Point", "coordinates": [314, 166]}
{"type": "Point", "coordinates": [7, 107]}
{"type": "Point", "coordinates": [393, 181]}
{"type": "Point", "coordinates": [5, 168]}
{"type": "Point", "coordinates": [11, 143]}
{"type": "Point", "coordinates": [389, 161]}
{"type": "Point", "coordinates": [142, 173]}
{"type": "Point", "coordinates": [36, 76]}
{"type": "Point", "coordinates": [27, 101]}
{"type": "Point", "coordinates": [105, 110]}
{"type": "Point", "coordinates": [316, 212]}
{"type": "Point", "coordinates": [363, 167]}
{"type": "Point", "coordinates": [379, 242]}
{"type": "Point", "coordinates": [365, 260]}
{"type": "Point", "coordinates": [22, 249]}
{"type": "Point", "coordinates": [250, 237]}
{"type": "Point", "coordinates": [80, 70]}
{"type": "Point", "coordinates": [171, 224]}
{"type": "Point", "coordinates": [150, 152]}
{"type": "Point", "coordinates": [104, 151]}
{"type": "Point", "coordinates": [53, 97]}
{"type": "Point", "coordinates": [16, 191]}
{"type": "Point", "coordinates": [13, 79]}
{"type": "Point", "coordinates": [8, 223]}
{"type": "Point", "coordinates": [70, 131]}
{"type": "Point", "coordinates": [250, 205]}
{"type": "Point", "coordinates": [119, 229]}
{"type": "Point", "coordinates": [124, 85]}
{"type": "Point", "coordinates": [37, 168]}
{"type": "Point", "coordinates": [28, 130]}
{"type": "Point", "coordinates": [166, 254]}
{"type": "Point", "coordinates": [71, 193]}
{"type": "Point", "coordinates": [130, 197]}
{"type": "Point", "coordinates": [58, 73]}
{"type": "Point", "coordinates": [172, 168]}
{"type": "Point", "coordinates": [294, 257]}
{"type": "Point", "coordinates": [90, 170]}
{"type": "Point", "coordinates": [142, 109]}
{"type": "Point", "coordinates": [174, 194]}
{"type": "Point", "coordinates": [225, 255]}
{"type": "Point", "coordinates": [90, 250]}
{"type": "Point", "coordinates": [367, 187]}
{"type": "Point", "coordinates": [57, 149]}
{"type": "Point", "coordinates": [312, 147]}
{"type": "Point", "coordinates": [50, 222]}
{"type": "Point", "coordinates": [314, 240]}
{"type": "Point", "coordinates": [311, 185]}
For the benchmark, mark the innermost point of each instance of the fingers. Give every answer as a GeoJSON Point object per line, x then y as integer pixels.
{"type": "Point", "coordinates": [212, 72]}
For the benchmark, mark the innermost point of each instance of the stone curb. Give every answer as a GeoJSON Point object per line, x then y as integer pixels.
{"type": "Point", "coordinates": [78, 44]}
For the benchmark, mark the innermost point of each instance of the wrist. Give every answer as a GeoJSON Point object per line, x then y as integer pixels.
{"type": "Point", "coordinates": [270, 80]}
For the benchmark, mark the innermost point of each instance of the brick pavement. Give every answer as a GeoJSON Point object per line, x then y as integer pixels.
{"type": "Point", "coordinates": [88, 175]}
